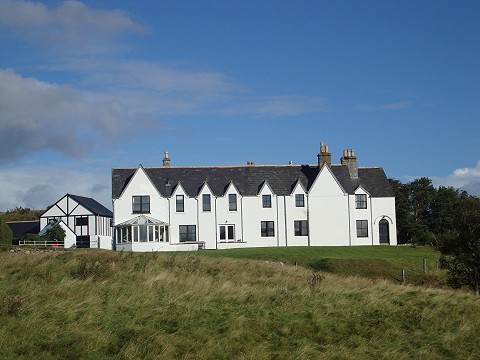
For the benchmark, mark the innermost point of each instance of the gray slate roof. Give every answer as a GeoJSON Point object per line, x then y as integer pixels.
{"type": "Point", "coordinates": [249, 179]}
{"type": "Point", "coordinates": [93, 205]}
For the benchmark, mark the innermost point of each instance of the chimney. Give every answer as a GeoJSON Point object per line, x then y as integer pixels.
{"type": "Point", "coordinates": [324, 156]}
{"type": "Point", "coordinates": [166, 160]}
{"type": "Point", "coordinates": [350, 160]}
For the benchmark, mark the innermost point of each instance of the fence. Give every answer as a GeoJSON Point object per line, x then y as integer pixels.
{"type": "Point", "coordinates": [42, 243]}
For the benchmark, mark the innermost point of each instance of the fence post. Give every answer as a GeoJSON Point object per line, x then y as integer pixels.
{"type": "Point", "coordinates": [403, 276]}
{"type": "Point", "coordinates": [424, 265]}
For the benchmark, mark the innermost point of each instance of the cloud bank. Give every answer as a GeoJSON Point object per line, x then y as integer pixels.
{"type": "Point", "coordinates": [37, 115]}
{"type": "Point", "coordinates": [467, 179]}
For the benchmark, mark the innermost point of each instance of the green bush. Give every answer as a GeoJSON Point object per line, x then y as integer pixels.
{"type": "Point", "coordinates": [6, 234]}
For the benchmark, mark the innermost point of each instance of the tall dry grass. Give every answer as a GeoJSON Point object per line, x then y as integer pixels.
{"type": "Point", "coordinates": [100, 304]}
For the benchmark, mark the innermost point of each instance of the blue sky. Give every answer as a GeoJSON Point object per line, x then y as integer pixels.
{"type": "Point", "coordinates": [87, 86]}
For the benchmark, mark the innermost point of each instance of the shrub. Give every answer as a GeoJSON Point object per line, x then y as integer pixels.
{"type": "Point", "coordinates": [6, 234]}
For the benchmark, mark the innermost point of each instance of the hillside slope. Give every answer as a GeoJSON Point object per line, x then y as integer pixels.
{"type": "Point", "coordinates": [102, 304]}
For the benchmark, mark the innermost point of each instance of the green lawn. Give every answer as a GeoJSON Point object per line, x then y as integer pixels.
{"type": "Point", "coordinates": [369, 261]}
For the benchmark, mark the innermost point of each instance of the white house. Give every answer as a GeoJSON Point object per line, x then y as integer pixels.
{"type": "Point", "coordinates": [189, 208]}
{"type": "Point", "coordinates": [86, 222]}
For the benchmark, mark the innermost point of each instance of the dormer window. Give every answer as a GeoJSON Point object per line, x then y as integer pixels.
{"type": "Point", "coordinates": [206, 202]}
{"type": "Point", "coordinates": [232, 202]}
{"type": "Point", "coordinates": [179, 203]}
{"type": "Point", "coordinates": [267, 201]}
{"type": "Point", "coordinates": [141, 204]}
{"type": "Point", "coordinates": [299, 200]}
{"type": "Point", "coordinates": [360, 201]}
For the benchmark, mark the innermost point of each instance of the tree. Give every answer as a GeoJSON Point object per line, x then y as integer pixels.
{"type": "Point", "coordinates": [55, 235]}
{"type": "Point", "coordinates": [402, 210]}
{"type": "Point", "coordinates": [6, 234]}
{"type": "Point", "coordinates": [461, 249]}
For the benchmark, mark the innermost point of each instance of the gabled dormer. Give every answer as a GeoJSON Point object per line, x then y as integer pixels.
{"type": "Point", "coordinates": [266, 194]}
{"type": "Point", "coordinates": [178, 195]}
{"type": "Point", "coordinates": [232, 194]}
{"type": "Point", "coordinates": [362, 197]}
{"type": "Point", "coordinates": [299, 192]}
{"type": "Point", "coordinates": [206, 196]}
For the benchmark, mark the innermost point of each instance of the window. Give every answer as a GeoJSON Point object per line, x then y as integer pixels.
{"type": "Point", "coordinates": [179, 203]}
{"type": "Point", "coordinates": [232, 202]}
{"type": "Point", "coordinates": [140, 204]}
{"type": "Point", "coordinates": [227, 232]}
{"type": "Point", "coordinates": [188, 233]}
{"type": "Point", "coordinates": [81, 221]}
{"type": "Point", "coordinates": [362, 228]}
{"type": "Point", "coordinates": [267, 229]}
{"type": "Point", "coordinates": [207, 206]}
{"type": "Point", "coordinates": [267, 201]}
{"type": "Point", "coordinates": [301, 227]}
{"type": "Point", "coordinates": [299, 200]}
{"type": "Point", "coordinates": [361, 201]}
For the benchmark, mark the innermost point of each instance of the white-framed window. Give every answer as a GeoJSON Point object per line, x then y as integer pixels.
{"type": "Point", "coordinates": [142, 233]}
{"type": "Point", "coordinates": [362, 228]}
{"type": "Point", "coordinates": [227, 232]}
{"type": "Point", "coordinates": [300, 227]}
{"type": "Point", "coordinates": [187, 233]}
{"type": "Point", "coordinates": [232, 202]}
{"type": "Point", "coordinates": [179, 203]}
{"type": "Point", "coordinates": [267, 229]}
{"type": "Point", "coordinates": [267, 201]}
{"type": "Point", "coordinates": [299, 200]}
{"type": "Point", "coordinates": [206, 202]}
{"type": "Point", "coordinates": [140, 204]}
{"type": "Point", "coordinates": [360, 201]}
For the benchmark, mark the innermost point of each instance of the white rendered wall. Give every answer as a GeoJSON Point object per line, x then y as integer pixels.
{"type": "Point", "coordinates": [254, 213]}
{"type": "Point", "coordinates": [295, 213]}
{"type": "Point", "coordinates": [227, 217]}
{"type": "Point", "coordinates": [153, 247]}
{"type": "Point", "coordinates": [384, 208]}
{"type": "Point", "coordinates": [328, 212]}
{"type": "Point", "coordinates": [207, 220]}
{"type": "Point", "coordinates": [140, 185]}
{"type": "Point", "coordinates": [360, 214]}
{"type": "Point", "coordinates": [187, 217]}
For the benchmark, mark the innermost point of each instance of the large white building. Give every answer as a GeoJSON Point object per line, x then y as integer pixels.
{"type": "Point", "coordinates": [188, 208]}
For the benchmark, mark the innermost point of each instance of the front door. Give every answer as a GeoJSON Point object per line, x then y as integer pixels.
{"type": "Point", "coordinates": [83, 241]}
{"type": "Point", "coordinates": [384, 232]}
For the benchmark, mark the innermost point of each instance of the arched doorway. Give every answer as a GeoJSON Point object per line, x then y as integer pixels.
{"type": "Point", "coordinates": [384, 231]}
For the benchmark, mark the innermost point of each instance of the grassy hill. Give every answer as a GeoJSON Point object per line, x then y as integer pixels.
{"type": "Point", "coordinates": [103, 304]}
{"type": "Point", "coordinates": [368, 261]}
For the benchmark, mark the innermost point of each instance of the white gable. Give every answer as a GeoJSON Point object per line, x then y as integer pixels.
{"type": "Point", "coordinates": [140, 184]}
{"type": "Point", "coordinates": [179, 190]}
{"type": "Point", "coordinates": [266, 189]}
{"type": "Point", "coordinates": [205, 190]}
{"type": "Point", "coordinates": [326, 184]}
{"type": "Point", "coordinates": [80, 210]}
{"type": "Point", "coordinates": [298, 189]}
{"type": "Point", "coordinates": [231, 189]}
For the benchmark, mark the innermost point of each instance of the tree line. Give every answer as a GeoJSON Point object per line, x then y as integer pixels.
{"type": "Point", "coordinates": [447, 219]}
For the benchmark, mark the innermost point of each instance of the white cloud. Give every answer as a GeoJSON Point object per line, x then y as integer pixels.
{"type": "Point", "coordinates": [37, 187]}
{"type": "Point", "coordinates": [463, 178]}
{"type": "Point", "coordinates": [149, 87]}
{"type": "Point", "coordinates": [389, 106]}
{"type": "Point", "coordinates": [71, 26]}
{"type": "Point", "coordinates": [37, 115]}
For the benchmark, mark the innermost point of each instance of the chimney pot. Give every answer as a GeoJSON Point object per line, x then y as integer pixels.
{"type": "Point", "coordinates": [166, 160]}
{"type": "Point", "coordinates": [324, 156]}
